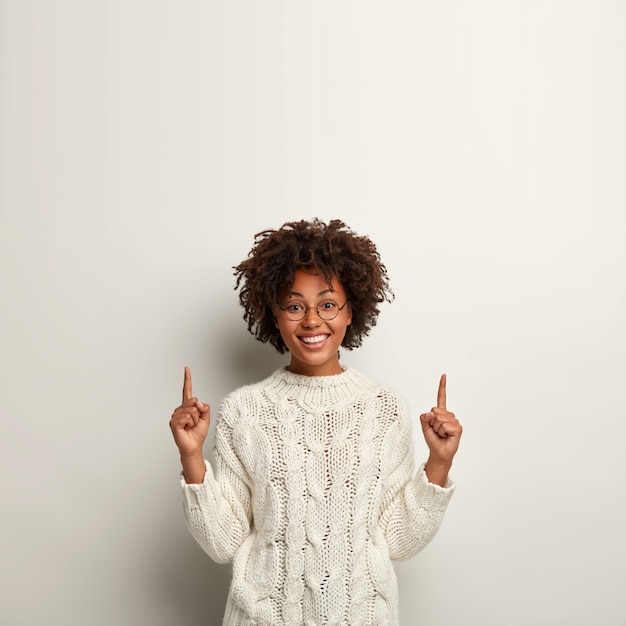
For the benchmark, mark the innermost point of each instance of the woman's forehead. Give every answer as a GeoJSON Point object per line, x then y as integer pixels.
{"type": "Point", "coordinates": [312, 282]}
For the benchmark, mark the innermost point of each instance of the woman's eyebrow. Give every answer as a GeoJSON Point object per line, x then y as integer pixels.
{"type": "Point", "coordinates": [299, 295]}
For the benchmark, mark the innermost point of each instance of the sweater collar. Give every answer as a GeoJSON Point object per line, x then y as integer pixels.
{"type": "Point", "coordinates": [318, 391]}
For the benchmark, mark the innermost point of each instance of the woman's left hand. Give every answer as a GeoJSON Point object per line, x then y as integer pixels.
{"type": "Point", "coordinates": [442, 432]}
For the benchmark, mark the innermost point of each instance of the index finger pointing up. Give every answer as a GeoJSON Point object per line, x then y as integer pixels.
{"type": "Point", "coordinates": [441, 393]}
{"type": "Point", "coordinates": [187, 393]}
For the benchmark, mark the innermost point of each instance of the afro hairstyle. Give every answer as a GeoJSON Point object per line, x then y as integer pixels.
{"type": "Point", "coordinates": [332, 249]}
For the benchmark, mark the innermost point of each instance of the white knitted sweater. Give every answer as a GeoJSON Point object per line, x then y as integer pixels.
{"type": "Point", "coordinates": [314, 491]}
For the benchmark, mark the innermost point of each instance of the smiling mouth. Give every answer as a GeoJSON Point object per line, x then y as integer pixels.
{"type": "Point", "coordinates": [314, 340]}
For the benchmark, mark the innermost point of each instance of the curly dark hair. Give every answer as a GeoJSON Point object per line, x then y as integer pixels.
{"type": "Point", "coordinates": [332, 249]}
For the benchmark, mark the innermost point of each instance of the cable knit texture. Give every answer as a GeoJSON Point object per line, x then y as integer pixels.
{"type": "Point", "coordinates": [312, 492]}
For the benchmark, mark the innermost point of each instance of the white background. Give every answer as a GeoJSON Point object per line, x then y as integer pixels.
{"type": "Point", "coordinates": [482, 145]}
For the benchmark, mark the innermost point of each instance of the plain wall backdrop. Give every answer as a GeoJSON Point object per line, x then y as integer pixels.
{"type": "Point", "coordinates": [482, 146]}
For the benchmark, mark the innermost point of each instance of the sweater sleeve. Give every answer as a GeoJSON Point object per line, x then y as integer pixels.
{"type": "Point", "coordinates": [412, 508]}
{"type": "Point", "coordinates": [218, 510]}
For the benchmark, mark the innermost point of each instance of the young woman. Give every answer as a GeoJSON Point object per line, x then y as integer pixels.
{"type": "Point", "coordinates": [313, 488]}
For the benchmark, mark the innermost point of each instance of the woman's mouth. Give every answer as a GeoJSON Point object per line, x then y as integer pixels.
{"type": "Point", "coordinates": [313, 340]}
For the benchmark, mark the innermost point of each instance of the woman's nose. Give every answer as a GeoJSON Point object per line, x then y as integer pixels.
{"type": "Point", "coordinates": [311, 318]}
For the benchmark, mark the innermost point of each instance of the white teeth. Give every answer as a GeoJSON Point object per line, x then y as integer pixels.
{"type": "Point", "coordinates": [315, 339]}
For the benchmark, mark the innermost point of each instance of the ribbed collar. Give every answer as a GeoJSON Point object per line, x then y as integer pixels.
{"type": "Point", "coordinates": [319, 391]}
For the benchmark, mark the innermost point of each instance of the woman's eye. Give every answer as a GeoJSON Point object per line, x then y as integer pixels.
{"type": "Point", "coordinates": [294, 307]}
{"type": "Point", "coordinates": [328, 305]}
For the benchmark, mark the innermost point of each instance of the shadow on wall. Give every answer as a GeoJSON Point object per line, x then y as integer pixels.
{"type": "Point", "coordinates": [196, 587]}
{"type": "Point", "coordinates": [243, 359]}
{"type": "Point", "coordinates": [253, 361]}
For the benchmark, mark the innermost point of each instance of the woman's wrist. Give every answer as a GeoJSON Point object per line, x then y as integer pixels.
{"type": "Point", "coordinates": [194, 467]}
{"type": "Point", "coordinates": [437, 471]}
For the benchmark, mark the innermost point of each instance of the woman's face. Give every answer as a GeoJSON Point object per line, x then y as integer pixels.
{"type": "Point", "coordinates": [313, 342]}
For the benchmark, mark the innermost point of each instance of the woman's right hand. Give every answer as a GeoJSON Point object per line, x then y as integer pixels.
{"type": "Point", "coordinates": [190, 422]}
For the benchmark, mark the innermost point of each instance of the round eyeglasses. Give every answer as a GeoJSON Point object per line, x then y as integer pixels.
{"type": "Point", "coordinates": [326, 309]}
